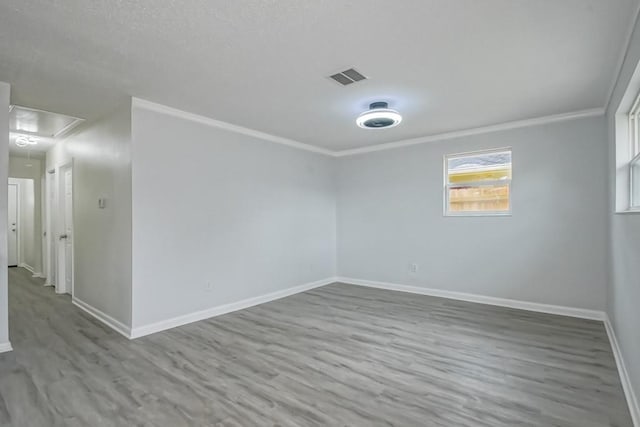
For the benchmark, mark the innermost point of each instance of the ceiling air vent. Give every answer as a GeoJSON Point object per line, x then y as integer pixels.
{"type": "Point", "coordinates": [347, 77]}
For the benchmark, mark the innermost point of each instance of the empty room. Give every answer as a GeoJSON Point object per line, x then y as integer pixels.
{"type": "Point", "coordinates": [320, 213]}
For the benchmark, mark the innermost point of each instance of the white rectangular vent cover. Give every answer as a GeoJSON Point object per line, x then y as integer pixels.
{"type": "Point", "coordinates": [348, 77]}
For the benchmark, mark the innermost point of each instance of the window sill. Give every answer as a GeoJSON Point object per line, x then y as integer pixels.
{"type": "Point", "coordinates": [628, 211]}
{"type": "Point", "coordinates": [479, 214]}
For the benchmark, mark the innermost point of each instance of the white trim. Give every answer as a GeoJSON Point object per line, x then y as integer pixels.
{"type": "Point", "coordinates": [31, 270]}
{"type": "Point", "coordinates": [49, 228]}
{"type": "Point", "coordinates": [448, 185]}
{"type": "Point", "coordinates": [5, 347]}
{"type": "Point", "coordinates": [462, 214]}
{"type": "Point", "coordinates": [163, 109]}
{"type": "Point", "coordinates": [17, 183]}
{"type": "Point", "coordinates": [61, 285]}
{"type": "Point", "coordinates": [27, 267]}
{"type": "Point", "coordinates": [634, 205]}
{"type": "Point", "coordinates": [65, 130]}
{"type": "Point", "coordinates": [163, 325]}
{"type": "Point", "coordinates": [481, 299]}
{"type": "Point", "coordinates": [34, 273]}
{"type": "Point", "coordinates": [114, 324]}
{"type": "Point", "coordinates": [628, 211]}
{"type": "Point", "coordinates": [594, 112]}
{"type": "Point", "coordinates": [622, 59]}
{"type": "Point", "coordinates": [632, 401]}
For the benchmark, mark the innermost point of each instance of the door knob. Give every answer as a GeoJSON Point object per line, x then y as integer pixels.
{"type": "Point", "coordinates": [13, 229]}
{"type": "Point", "coordinates": [63, 236]}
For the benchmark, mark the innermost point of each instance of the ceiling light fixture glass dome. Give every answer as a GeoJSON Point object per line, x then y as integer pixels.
{"type": "Point", "coordinates": [379, 116]}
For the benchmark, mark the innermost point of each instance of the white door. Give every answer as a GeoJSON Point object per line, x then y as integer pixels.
{"type": "Point", "coordinates": [65, 238]}
{"type": "Point", "coordinates": [51, 227]}
{"type": "Point", "coordinates": [12, 223]}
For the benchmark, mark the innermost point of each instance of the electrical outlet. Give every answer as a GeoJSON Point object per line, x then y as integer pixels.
{"type": "Point", "coordinates": [413, 268]}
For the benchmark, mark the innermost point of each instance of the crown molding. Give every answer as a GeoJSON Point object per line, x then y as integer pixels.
{"type": "Point", "coordinates": [163, 109]}
{"type": "Point", "coordinates": [594, 112]}
{"type": "Point", "coordinates": [622, 59]}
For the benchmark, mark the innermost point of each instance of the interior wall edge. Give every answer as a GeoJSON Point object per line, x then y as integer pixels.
{"type": "Point", "coordinates": [98, 152]}
{"type": "Point", "coordinates": [5, 92]}
{"type": "Point", "coordinates": [625, 379]}
{"type": "Point", "coordinates": [103, 317]}
{"type": "Point", "coordinates": [623, 286]}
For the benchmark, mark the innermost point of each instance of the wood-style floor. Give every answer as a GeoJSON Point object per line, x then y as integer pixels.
{"type": "Point", "coordinates": [336, 356]}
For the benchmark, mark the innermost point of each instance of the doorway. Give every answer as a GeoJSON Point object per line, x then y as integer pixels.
{"type": "Point", "coordinates": [12, 224]}
{"type": "Point", "coordinates": [64, 231]}
{"type": "Point", "coordinates": [50, 227]}
{"type": "Point", "coordinates": [23, 243]}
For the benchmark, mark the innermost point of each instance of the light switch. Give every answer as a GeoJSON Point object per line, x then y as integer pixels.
{"type": "Point", "coordinates": [102, 202]}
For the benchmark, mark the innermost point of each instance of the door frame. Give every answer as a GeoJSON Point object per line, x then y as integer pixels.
{"type": "Point", "coordinates": [44, 269]}
{"type": "Point", "coordinates": [58, 221]}
{"type": "Point", "coordinates": [50, 188]}
{"type": "Point", "coordinates": [13, 181]}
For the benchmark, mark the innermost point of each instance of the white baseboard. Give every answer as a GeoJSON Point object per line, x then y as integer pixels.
{"type": "Point", "coordinates": [27, 267]}
{"type": "Point", "coordinates": [114, 324]}
{"type": "Point", "coordinates": [163, 325]}
{"type": "Point", "coordinates": [5, 346]}
{"type": "Point", "coordinates": [632, 400]}
{"type": "Point", "coordinates": [31, 270]}
{"type": "Point", "coordinates": [481, 299]}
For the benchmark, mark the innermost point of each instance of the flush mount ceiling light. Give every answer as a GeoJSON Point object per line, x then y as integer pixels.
{"type": "Point", "coordinates": [379, 116]}
{"type": "Point", "coordinates": [25, 141]}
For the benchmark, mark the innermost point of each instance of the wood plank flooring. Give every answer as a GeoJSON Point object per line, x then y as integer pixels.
{"type": "Point", "coordinates": [335, 356]}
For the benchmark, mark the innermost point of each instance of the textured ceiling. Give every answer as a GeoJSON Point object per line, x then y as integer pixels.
{"type": "Point", "coordinates": [446, 65]}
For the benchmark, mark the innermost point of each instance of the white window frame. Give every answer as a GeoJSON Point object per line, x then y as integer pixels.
{"type": "Point", "coordinates": [634, 205]}
{"type": "Point", "coordinates": [448, 186]}
{"type": "Point", "coordinates": [634, 147]}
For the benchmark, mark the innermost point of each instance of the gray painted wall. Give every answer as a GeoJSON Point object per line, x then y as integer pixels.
{"type": "Point", "coordinates": [101, 153]}
{"type": "Point", "coordinates": [624, 284]}
{"type": "Point", "coordinates": [251, 217]}
{"type": "Point", "coordinates": [4, 170]}
{"type": "Point", "coordinates": [552, 250]}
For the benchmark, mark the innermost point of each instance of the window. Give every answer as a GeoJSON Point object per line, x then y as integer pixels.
{"type": "Point", "coordinates": [634, 167]}
{"type": "Point", "coordinates": [634, 147]}
{"type": "Point", "coordinates": [478, 183]}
